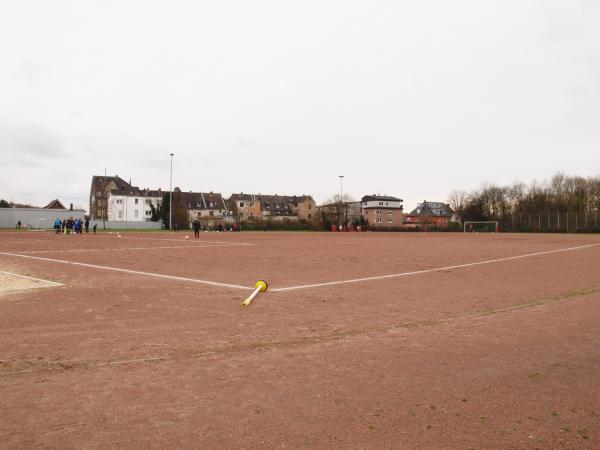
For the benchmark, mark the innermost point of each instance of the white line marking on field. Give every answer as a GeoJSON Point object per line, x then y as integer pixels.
{"type": "Point", "coordinates": [174, 240]}
{"type": "Point", "coordinates": [122, 248]}
{"type": "Point", "coordinates": [19, 240]}
{"type": "Point", "coordinates": [418, 272]}
{"type": "Point", "coordinates": [54, 283]}
{"type": "Point", "coordinates": [135, 272]}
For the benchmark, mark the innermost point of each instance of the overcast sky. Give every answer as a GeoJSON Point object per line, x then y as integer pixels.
{"type": "Point", "coordinates": [405, 98]}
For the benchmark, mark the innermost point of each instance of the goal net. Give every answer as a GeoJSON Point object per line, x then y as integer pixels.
{"type": "Point", "coordinates": [43, 224]}
{"type": "Point", "coordinates": [488, 226]}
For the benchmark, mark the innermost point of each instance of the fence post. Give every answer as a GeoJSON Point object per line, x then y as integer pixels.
{"type": "Point", "coordinates": [558, 222]}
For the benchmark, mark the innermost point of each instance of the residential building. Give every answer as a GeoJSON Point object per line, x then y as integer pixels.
{"type": "Point", "coordinates": [114, 199]}
{"type": "Point", "coordinates": [99, 193]}
{"type": "Point", "coordinates": [273, 207]}
{"type": "Point", "coordinates": [56, 204]}
{"type": "Point", "coordinates": [431, 214]}
{"type": "Point", "coordinates": [244, 207]}
{"type": "Point", "coordinates": [382, 212]}
{"type": "Point", "coordinates": [208, 207]}
{"type": "Point", "coordinates": [304, 207]}
{"type": "Point", "coordinates": [133, 204]}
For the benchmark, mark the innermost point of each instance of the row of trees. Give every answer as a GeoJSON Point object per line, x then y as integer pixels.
{"type": "Point", "coordinates": [563, 194]}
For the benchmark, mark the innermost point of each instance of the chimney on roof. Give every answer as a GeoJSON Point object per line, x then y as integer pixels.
{"type": "Point", "coordinates": [71, 207]}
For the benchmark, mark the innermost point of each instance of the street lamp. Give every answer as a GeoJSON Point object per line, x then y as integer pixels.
{"type": "Point", "coordinates": [171, 196]}
{"type": "Point", "coordinates": [341, 177]}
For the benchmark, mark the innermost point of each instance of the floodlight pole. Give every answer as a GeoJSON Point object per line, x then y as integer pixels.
{"type": "Point", "coordinates": [341, 177]}
{"type": "Point", "coordinates": [171, 195]}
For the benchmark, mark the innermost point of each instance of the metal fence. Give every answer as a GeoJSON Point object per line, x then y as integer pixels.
{"type": "Point", "coordinates": [552, 222]}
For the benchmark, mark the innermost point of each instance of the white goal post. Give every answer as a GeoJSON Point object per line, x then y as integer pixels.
{"type": "Point", "coordinates": [43, 224]}
{"type": "Point", "coordinates": [490, 225]}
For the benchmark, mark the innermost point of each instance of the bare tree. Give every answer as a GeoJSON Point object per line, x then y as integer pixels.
{"type": "Point", "coordinates": [457, 200]}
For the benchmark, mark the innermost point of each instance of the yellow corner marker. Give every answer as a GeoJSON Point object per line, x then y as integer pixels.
{"type": "Point", "coordinates": [261, 286]}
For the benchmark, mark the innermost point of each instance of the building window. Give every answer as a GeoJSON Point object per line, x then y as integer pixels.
{"type": "Point", "coordinates": [211, 213]}
{"type": "Point", "coordinates": [241, 204]}
{"type": "Point", "coordinates": [380, 203]}
{"type": "Point", "coordinates": [120, 214]}
{"type": "Point", "coordinates": [119, 201]}
{"type": "Point", "coordinates": [251, 204]}
{"type": "Point", "coordinates": [390, 216]}
{"type": "Point", "coordinates": [310, 206]}
{"type": "Point", "coordinates": [309, 215]}
{"type": "Point", "coordinates": [136, 212]}
{"type": "Point", "coordinates": [99, 203]}
{"type": "Point", "coordinates": [379, 220]}
{"type": "Point", "coordinates": [378, 212]}
{"type": "Point", "coordinates": [136, 201]}
{"type": "Point", "coordinates": [148, 213]}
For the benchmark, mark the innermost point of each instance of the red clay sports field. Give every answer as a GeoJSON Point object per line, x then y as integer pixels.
{"type": "Point", "coordinates": [370, 340]}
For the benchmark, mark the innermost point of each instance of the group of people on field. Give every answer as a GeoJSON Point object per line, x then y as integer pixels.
{"type": "Point", "coordinates": [73, 226]}
{"type": "Point", "coordinates": [346, 227]}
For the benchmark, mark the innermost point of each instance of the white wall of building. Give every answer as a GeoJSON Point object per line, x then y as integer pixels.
{"type": "Point", "coordinates": [381, 204]}
{"type": "Point", "coordinates": [36, 217]}
{"type": "Point", "coordinates": [123, 208]}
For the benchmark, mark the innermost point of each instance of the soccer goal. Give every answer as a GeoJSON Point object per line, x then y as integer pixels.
{"type": "Point", "coordinates": [486, 226]}
{"type": "Point", "coordinates": [43, 224]}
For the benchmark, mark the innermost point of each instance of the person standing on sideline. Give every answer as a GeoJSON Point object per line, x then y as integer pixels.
{"type": "Point", "coordinates": [57, 225]}
{"type": "Point", "coordinates": [94, 228]}
{"type": "Point", "coordinates": [19, 224]}
{"type": "Point", "coordinates": [196, 226]}
{"type": "Point", "coordinates": [87, 225]}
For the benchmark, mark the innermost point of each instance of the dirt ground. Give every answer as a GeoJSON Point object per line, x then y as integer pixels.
{"type": "Point", "coordinates": [454, 341]}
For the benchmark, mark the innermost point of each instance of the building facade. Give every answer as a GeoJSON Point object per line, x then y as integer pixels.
{"type": "Point", "coordinates": [244, 207]}
{"type": "Point", "coordinates": [114, 199]}
{"type": "Point", "coordinates": [428, 214]}
{"type": "Point", "coordinates": [132, 206]}
{"type": "Point", "coordinates": [382, 212]}
{"type": "Point", "coordinates": [208, 207]}
{"type": "Point", "coordinates": [248, 207]}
